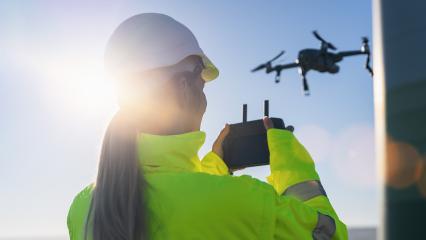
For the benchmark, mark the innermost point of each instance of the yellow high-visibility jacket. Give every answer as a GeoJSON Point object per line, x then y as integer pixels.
{"type": "Point", "coordinates": [193, 199]}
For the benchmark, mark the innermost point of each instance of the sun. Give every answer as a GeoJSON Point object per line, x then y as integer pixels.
{"type": "Point", "coordinates": [76, 84]}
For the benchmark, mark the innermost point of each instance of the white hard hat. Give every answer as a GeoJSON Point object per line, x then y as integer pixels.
{"type": "Point", "coordinates": [152, 40]}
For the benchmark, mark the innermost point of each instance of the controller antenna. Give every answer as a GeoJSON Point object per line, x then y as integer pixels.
{"type": "Point", "coordinates": [244, 113]}
{"type": "Point", "coordinates": [266, 108]}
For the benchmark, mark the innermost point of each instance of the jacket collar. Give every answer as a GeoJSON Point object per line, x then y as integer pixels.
{"type": "Point", "coordinates": [170, 153]}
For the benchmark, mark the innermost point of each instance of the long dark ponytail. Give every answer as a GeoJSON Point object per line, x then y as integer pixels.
{"type": "Point", "coordinates": [117, 210]}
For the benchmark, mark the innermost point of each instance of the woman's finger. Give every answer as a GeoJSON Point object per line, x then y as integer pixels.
{"type": "Point", "coordinates": [267, 122]}
{"type": "Point", "coordinates": [223, 133]}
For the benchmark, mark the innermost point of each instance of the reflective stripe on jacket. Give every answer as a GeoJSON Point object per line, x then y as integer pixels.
{"type": "Point", "coordinates": [193, 199]}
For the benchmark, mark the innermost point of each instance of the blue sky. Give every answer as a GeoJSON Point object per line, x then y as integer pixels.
{"type": "Point", "coordinates": [56, 101]}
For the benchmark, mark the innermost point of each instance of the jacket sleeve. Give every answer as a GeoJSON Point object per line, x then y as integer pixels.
{"type": "Point", "coordinates": [213, 164]}
{"type": "Point", "coordinates": [303, 210]}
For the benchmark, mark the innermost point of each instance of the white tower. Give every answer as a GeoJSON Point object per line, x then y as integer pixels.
{"type": "Point", "coordinates": [399, 51]}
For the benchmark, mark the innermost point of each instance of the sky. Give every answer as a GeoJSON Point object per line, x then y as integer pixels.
{"type": "Point", "coordinates": [56, 100]}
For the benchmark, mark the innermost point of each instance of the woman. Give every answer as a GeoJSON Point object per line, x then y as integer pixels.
{"type": "Point", "coordinates": [151, 183]}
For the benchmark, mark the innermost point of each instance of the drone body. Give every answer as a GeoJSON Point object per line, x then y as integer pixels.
{"type": "Point", "coordinates": [313, 59]}
{"type": "Point", "coordinates": [320, 60]}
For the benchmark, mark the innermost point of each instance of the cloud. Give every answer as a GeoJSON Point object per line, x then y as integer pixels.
{"type": "Point", "coordinates": [350, 152]}
{"type": "Point", "coordinates": [353, 156]}
{"type": "Point", "coordinates": [316, 140]}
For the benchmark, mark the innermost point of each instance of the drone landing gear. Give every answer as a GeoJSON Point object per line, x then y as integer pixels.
{"type": "Point", "coordinates": [302, 73]}
{"type": "Point", "coordinates": [367, 65]}
{"type": "Point", "coordinates": [305, 86]}
{"type": "Point", "coordinates": [278, 77]}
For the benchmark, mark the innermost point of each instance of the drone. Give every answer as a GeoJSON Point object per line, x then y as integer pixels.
{"type": "Point", "coordinates": [321, 60]}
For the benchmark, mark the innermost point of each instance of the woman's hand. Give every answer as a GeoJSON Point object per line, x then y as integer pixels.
{"type": "Point", "coordinates": [217, 145]}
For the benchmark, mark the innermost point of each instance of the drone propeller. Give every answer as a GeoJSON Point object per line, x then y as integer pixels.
{"type": "Point", "coordinates": [268, 63]}
{"type": "Point", "coordinates": [328, 44]}
{"type": "Point", "coordinates": [276, 57]}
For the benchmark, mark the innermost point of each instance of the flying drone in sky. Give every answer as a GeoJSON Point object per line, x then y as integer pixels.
{"type": "Point", "coordinates": [321, 60]}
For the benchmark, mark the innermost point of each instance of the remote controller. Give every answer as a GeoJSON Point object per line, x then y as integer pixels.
{"type": "Point", "coordinates": [246, 144]}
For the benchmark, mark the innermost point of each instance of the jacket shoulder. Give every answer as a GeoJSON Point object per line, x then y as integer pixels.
{"type": "Point", "coordinates": [86, 192]}
{"type": "Point", "coordinates": [251, 182]}
{"type": "Point", "coordinates": [78, 211]}
{"type": "Point", "coordinates": [232, 188]}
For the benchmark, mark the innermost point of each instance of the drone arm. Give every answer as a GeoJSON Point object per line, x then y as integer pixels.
{"type": "Point", "coordinates": [285, 66]}
{"type": "Point", "coordinates": [350, 53]}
